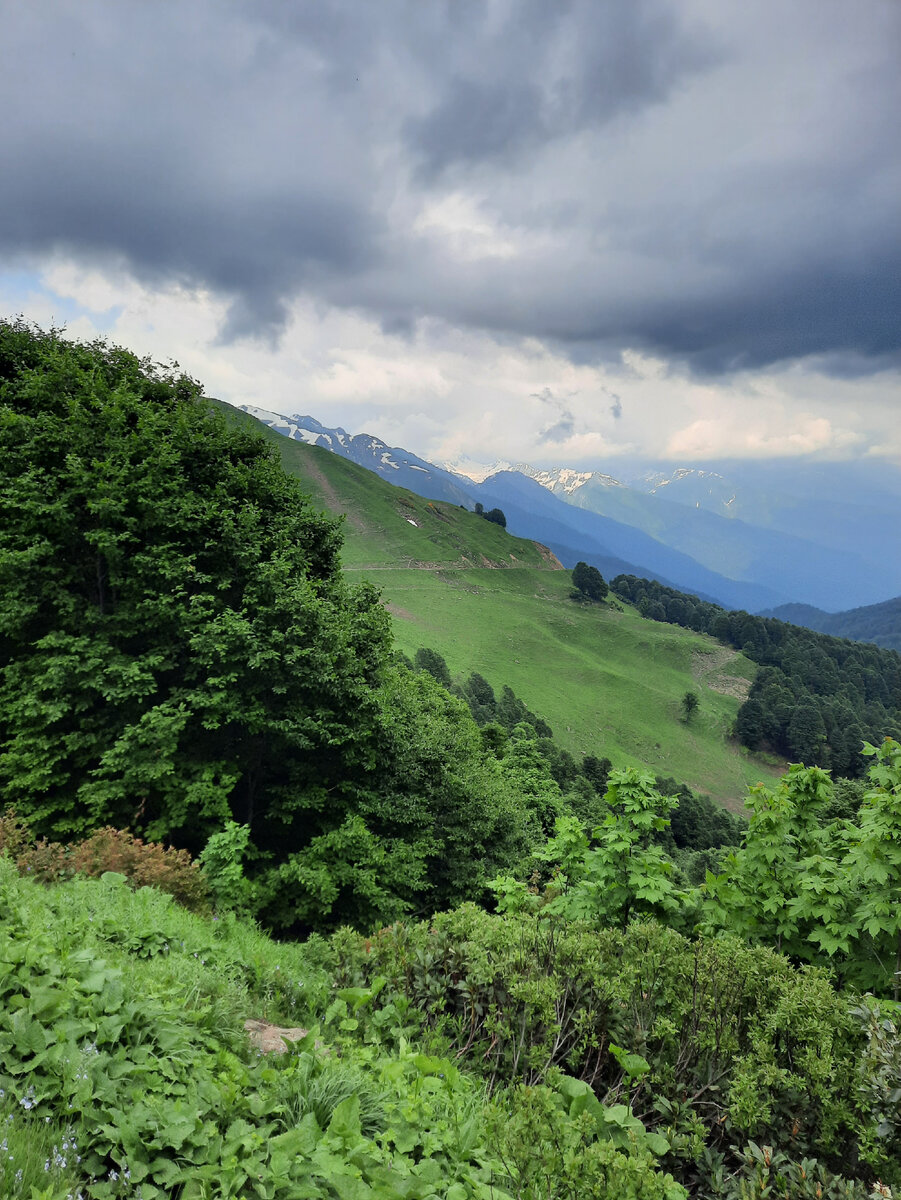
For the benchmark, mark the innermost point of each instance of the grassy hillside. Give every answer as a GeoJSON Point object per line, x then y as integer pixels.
{"type": "Point", "coordinates": [387, 526]}
{"type": "Point", "coordinates": [609, 682]}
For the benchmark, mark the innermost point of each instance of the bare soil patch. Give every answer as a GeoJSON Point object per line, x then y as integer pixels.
{"type": "Point", "coordinates": [708, 667]}
{"type": "Point", "coordinates": [332, 499]}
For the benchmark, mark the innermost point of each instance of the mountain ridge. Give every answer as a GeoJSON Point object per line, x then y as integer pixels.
{"type": "Point", "coordinates": [876, 623]}
{"type": "Point", "coordinates": [800, 567]}
{"type": "Point", "coordinates": [620, 528]}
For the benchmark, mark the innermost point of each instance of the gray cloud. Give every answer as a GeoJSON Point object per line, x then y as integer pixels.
{"type": "Point", "coordinates": [710, 184]}
{"type": "Point", "coordinates": [563, 423]}
{"type": "Point", "coordinates": [547, 71]}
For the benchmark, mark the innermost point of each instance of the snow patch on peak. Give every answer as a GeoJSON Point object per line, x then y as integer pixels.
{"type": "Point", "coordinates": [478, 472]}
{"type": "Point", "coordinates": [680, 473]}
{"type": "Point", "coordinates": [566, 479]}
{"type": "Point", "coordinates": [263, 414]}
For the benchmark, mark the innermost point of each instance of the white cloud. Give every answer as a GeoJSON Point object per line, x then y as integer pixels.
{"type": "Point", "coordinates": [444, 392]}
{"type": "Point", "coordinates": [457, 221]}
{"type": "Point", "coordinates": [782, 437]}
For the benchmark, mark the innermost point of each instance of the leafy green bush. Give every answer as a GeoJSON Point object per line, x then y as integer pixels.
{"type": "Point", "coordinates": [740, 1045]}
{"type": "Point", "coordinates": [552, 1154]}
{"type": "Point", "coordinates": [120, 1036]}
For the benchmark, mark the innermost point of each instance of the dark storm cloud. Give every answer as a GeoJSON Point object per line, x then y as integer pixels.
{"type": "Point", "coordinates": [717, 184]}
{"type": "Point", "coordinates": [549, 70]}
{"type": "Point", "coordinates": [155, 136]}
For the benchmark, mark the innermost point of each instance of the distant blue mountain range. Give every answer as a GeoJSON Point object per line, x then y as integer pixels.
{"type": "Point", "coordinates": [688, 528]}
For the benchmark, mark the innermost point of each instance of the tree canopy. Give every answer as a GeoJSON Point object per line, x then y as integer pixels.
{"type": "Point", "coordinates": [588, 582]}
{"type": "Point", "coordinates": [179, 649]}
{"type": "Point", "coordinates": [814, 699]}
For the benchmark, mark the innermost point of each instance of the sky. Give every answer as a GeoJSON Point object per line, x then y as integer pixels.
{"type": "Point", "coordinates": [563, 233]}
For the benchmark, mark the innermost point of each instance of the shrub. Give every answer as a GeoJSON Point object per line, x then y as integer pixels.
{"type": "Point", "coordinates": [144, 864]}
{"type": "Point", "coordinates": [739, 1044]}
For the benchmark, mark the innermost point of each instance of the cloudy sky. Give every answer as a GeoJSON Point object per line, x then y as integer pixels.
{"type": "Point", "coordinates": [562, 232]}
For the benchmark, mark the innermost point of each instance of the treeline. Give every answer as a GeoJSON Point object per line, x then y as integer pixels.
{"type": "Point", "coordinates": [876, 623]}
{"type": "Point", "coordinates": [699, 830]}
{"type": "Point", "coordinates": [816, 698]}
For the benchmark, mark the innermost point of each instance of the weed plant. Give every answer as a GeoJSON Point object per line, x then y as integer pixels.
{"type": "Point", "coordinates": [35, 1157]}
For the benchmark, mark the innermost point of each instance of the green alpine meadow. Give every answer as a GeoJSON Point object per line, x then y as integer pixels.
{"type": "Point", "coordinates": [352, 848]}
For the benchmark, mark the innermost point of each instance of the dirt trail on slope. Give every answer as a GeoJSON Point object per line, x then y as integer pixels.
{"type": "Point", "coordinates": [707, 666]}
{"type": "Point", "coordinates": [332, 500]}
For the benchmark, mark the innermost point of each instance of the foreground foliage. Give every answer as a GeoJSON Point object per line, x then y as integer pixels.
{"type": "Point", "coordinates": [823, 890]}
{"type": "Point", "coordinates": [473, 1056]}
{"type": "Point", "coordinates": [125, 1072]}
{"type": "Point", "coordinates": [713, 1046]}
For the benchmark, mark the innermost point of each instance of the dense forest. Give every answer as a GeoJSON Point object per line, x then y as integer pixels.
{"type": "Point", "coordinates": [508, 973]}
{"type": "Point", "coordinates": [816, 698]}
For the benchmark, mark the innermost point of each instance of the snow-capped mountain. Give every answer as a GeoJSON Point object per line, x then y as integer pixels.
{"type": "Point", "coordinates": [690, 485]}
{"type": "Point", "coordinates": [703, 514]}
{"type": "Point", "coordinates": [475, 471]}
{"type": "Point", "coordinates": [564, 481]}
{"type": "Point", "coordinates": [393, 463]}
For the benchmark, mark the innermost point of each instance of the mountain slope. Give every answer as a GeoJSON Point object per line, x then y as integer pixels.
{"type": "Point", "coordinates": [811, 572]}
{"type": "Point", "coordinates": [609, 682]}
{"type": "Point", "coordinates": [391, 527]}
{"type": "Point", "coordinates": [613, 547]}
{"type": "Point", "coordinates": [843, 506]}
{"type": "Point", "coordinates": [396, 465]}
{"type": "Point", "coordinates": [575, 533]}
